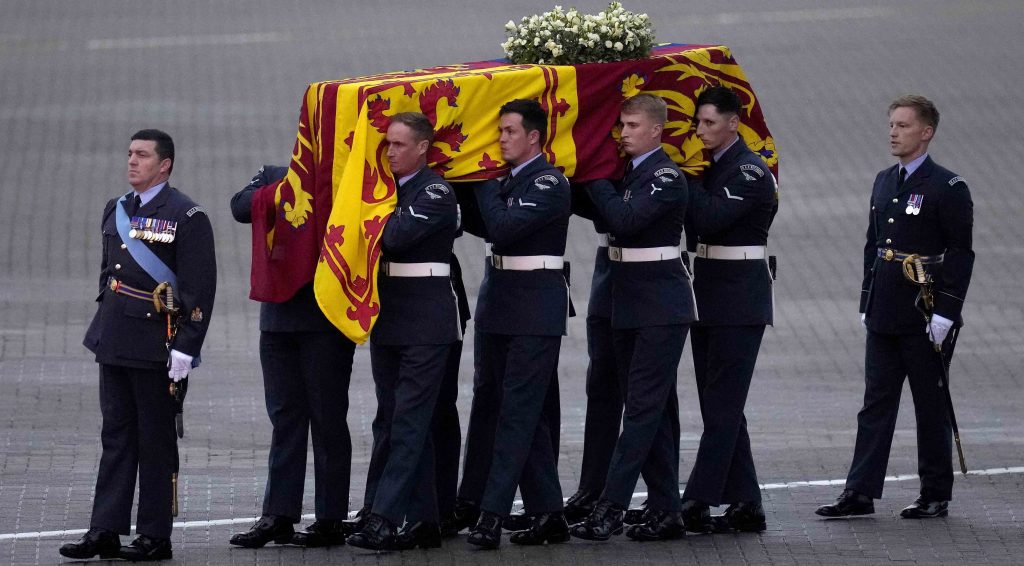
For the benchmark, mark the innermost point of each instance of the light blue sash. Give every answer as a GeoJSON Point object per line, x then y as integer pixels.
{"type": "Point", "coordinates": [142, 255]}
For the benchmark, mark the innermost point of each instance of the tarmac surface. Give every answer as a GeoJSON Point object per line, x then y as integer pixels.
{"type": "Point", "coordinates": [225, 79]}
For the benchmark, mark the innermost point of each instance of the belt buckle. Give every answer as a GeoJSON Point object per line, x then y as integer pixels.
{"type": "Point", "coordinates": [496, 261]}
{"type": "Point", "coordinates": [386, 267]}
{"type": "Point", "coordinates": [889, 254]}
{"type": "Point", "coordinates": [113, 284]}
{"type": "Point", "coordinates": [702, 251]}
{"type": "Point", "coordinates": [615, 253]}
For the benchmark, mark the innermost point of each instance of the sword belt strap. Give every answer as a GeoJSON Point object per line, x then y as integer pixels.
{"type": "Point", "coordinates": [425, 269]}
{"type": "Point", "coordinates": [631, 255]}
{"type": "Point", "coordinates": [526, 262]}
{"type": "Point", "coordinates": [889, 254]}
{"type": "Point", "coordinates": [706, 251]}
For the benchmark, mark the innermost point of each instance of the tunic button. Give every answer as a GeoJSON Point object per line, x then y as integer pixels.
{"type": "Point", "coordinates": [149, 315]}
{"type": "Point", "coordinates": [888, 240]}
{"type": "Point", "coordinates": [118, 265]}
{"type": "Point", "coordinates": [891, 221]}
{"type": "Point", "coordinates": [124, 246]}
{"type": "Point", "coordinates": [872, 208]}
{"type": "Point", "coordinates": [894, 201]}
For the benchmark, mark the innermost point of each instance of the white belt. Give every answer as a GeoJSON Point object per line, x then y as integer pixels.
{"type": "Point", "coordinates": [426, 269]}
{"type": "Point", "coordinates": [730, 252]}
{"type": "Point", "coordinates": [643, 254]}
{"type": "Point", "coordinates": [526, 262]}
{"type": "Point", "coordinates": [602, 240]}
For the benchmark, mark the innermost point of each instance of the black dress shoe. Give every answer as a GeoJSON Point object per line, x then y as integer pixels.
{"type": "Point", "coordinates": [745, 517]}
{"type": "Point", "coordinates": [848, 503]}
{"type": "Point", "coordinates": [323, 532]}
{"type": "Point", "coordinates": [580, 505]}
{"type": "Point", "coordinates": [356, 524]}
{"type": "Point", "coordinates": [487, 531]}
{"type": "Point", "coordinates": [636, 515]}
{"type": "Point", "coordinates": [697, 517]}
{"type": "Point", "coordinates": [268, 528]}
{"type": "Point", "coordinates": [377, 534]}
{"type": "Point", "coordinates": [97, 541]}
{"type": "Point", "coordinates": [925, 509]}
{"type": "Point", "coordinates": [605, 521]}
{"type": "Point", "coordinates": [466, 514]}
{"type": "Point", "coordinates": [660, 525]}
{"type": "Point", "coordinates": [545, 527]}
{"type": "Point", "coordinates": [449, 525]}
{"type": "Point", "coordinates": [146, 549]}
{"type": "Point", "coordinates": [517, 522]}
{"type": "Point", "coordinates": [419, 534]}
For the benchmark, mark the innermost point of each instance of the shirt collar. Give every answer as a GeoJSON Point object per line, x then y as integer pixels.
{"type": "Point", "coordinates": [913, 165]}
{"type": "Point", "coordinates": [515, 170]}
{"type": "Point", "coordinates": [718, 154]}
{"type": "Point", "coordinates": [640, 158]}
{"type": "Point", "coordinates": [403, 180]}
{"type": "Point", "coordinates": [150, 193]}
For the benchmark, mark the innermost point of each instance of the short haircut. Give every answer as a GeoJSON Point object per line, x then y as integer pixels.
{"type": "Point", "coordinates": [534, 117]}
{"type": "Point", "coordinates": [653, 106]}
{"type": "Point", "coordinates": [924, 108]}
{"type": "Point", "coordinates": [724, 99]}
{"type": "Point", "coordinates": [164, 144]}
{"type": "Point", "coordinates": [420, 125]}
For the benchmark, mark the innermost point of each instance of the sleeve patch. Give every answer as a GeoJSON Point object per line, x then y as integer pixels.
{"type": "Point", "coordinates": [194, 210]}
{"type": "Point", "coordinates": [545, 182]}
{"type": "Point", "coordinates": [436, 191]}
{"type": "Point", "coordinates": [666, 171]}
{"type": "Point", "coordinates": [957, 179]}
{"type": "Point", "coordinates": [750, 167]}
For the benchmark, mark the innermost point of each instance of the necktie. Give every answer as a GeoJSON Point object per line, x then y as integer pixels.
{"type": "Point", "coordinates": [135, 205]}
{"type": "Point", "coordinates": [629, 168]}
{"type": "Point", "coordinates": [901, 177]}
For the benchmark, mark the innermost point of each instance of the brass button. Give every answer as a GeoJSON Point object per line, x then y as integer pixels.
{"type": "Point", "coordinates": [894, 201]}
{"type": "Point", "coordinates": [117, 266]}
{"type": "Point", "coordinates": [872, 208]}
{"type": "Point", "coordinates": [149, 315]}
{"type": "Point", "coordinates": [888, 240]}
{"type": "Point", "coordinates": [124, 246]}
{"type": "Point", "coordinates": [891, 221]}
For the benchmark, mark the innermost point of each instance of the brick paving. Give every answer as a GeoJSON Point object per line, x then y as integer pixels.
{"type": "Point", "coordinates": [225, 78]}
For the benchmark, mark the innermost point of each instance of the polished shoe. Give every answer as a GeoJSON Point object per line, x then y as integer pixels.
{"type": "Point", "coordinates": [146, 549]}
{"type": "Point", "coordinates": [605, 521]}
{"type": "Point", "coordinates": [95, 542]}
{"type": "Point", "coordinates": [925, 509]}
{"type": "Point", "coordinates": [548, 528]}
{"type": "Point", "coordinates": [697, 517]}
{"type": "Point", "coordinates": [636, 515]}
{"type": "Point", "coordinates": [660, 525]}
{"type": "Point", "coordinates": [745, 517]}
{"type": "Point", "coordinates": [418, 535]}
{"type": "Point", "coordinates": [323, 532]}
{"type": "Point", "coordinates": [848, 503]}
{"type": "Point", "coordinates": [449, 525]}
{"type": "Point", "coordinates": [377, 534]}
{"type": "Point", "coordinates": [268, 528]}
{"type": "Point", "coordinates": [356, 524]}
{"type": "Point", "coordinates": [580, 505]}
{"type": "Point", "coordinates": [487, 531]}
{"type": "Point", "coordinates": [466, 514]}
{"type": "Point", "coordinates": [517, 522]}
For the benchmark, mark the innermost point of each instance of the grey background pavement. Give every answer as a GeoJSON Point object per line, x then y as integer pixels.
{"type": "Point", "coordinates": [225, 78]}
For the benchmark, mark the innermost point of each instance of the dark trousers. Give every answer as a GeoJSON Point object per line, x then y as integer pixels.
{"type": "Point", "coordinates": [407, 380]}
{"type": "Point", "coordinates": [888, 360]}
{"type": "Point", "coordinates": [604, 405]}
{"type": "Point", "coordinates": [138, 438]}
{"type": "Point", "coordinates": [446, 435]}
{"type": "Point", "coordinates": [523, 455]}
{"type": "Point", "coordinates": [723, 362]}
{"type": "Point", "coordinates": [648, 359]}
{"type": "Point", "coordinates": [305, 379]}
{"type": "Point", "coordinates": [483, 420]}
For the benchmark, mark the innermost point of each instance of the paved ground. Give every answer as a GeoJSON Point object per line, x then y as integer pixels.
{"type": "Point", "coordinates": [225, 79]}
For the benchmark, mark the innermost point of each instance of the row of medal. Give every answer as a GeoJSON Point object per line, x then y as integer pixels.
{"type": "Point", "coordinates": [914, 204]}
{"type": "Point", "coordinates": [153, 229]}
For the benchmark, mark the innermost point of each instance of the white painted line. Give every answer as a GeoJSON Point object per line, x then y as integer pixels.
{"type": "Point", "coordinates": [188, 40]}
{"type": "Point", "coordinates": [637, 495]}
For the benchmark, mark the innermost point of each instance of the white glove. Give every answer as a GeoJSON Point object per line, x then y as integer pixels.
{"type": "Point", "coordinates": [179, 364]}
{"type": "Point", "coordinates": [864, 319]}
{"type": "Point", "coordinates": [938, 328]}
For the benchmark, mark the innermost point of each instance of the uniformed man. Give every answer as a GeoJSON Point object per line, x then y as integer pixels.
{"type": "Point", "coordinates": [652, 308]}
{"type": "Point", "coordinates": [917, 207]}
{"type": "Point", "coordinates": [727, 230]}
{"type": "Point", "coordinates": [146, 336]}
{"type": "Point", "coordinates": [307, 365]}
{"type": "Point", "coordinates": [411, 341]}
{"type": "Point", "coordinates": [521, 315]}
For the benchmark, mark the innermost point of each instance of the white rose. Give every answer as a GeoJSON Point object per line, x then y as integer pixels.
{"type": "Point", "coordinates": [618, 46]}
{"type": "Point", "coordinates": [510, 25]}
{"type": "Point", "coordinates": [555, 52]}
{"type": "Point", "coordinates": [536, 41]}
